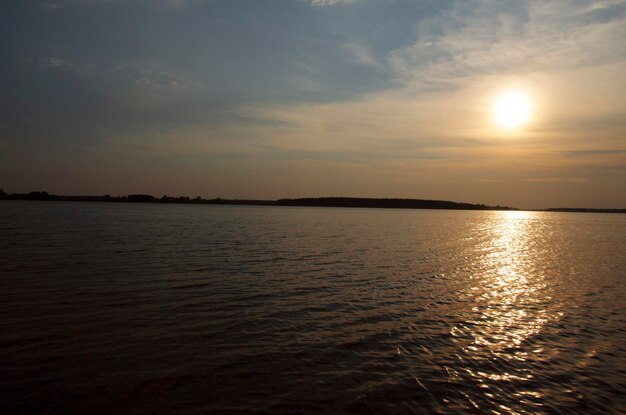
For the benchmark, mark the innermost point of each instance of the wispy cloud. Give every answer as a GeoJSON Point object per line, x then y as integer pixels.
{"type": "Point", "coordinates": [572, 180]}
{"type": "Point", "coordinates": [321, 3]}
{"type": "Point", "coordinates": [591, 153]}
{"type": "Point", "coordinates": [54, 62]}
{"type": "Point", "coordinates": [51, 6]}
{"type": "Point", "coordinates": [361, 54]}
{"type": "Point", "coordinates": [485, 38]}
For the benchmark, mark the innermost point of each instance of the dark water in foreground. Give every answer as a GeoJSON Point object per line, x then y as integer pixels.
{"type": "Point", "coordinates": [122, 308]}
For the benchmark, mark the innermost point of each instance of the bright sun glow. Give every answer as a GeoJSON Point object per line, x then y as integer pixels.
{"type": "Point", "coordinates": [512, 109]}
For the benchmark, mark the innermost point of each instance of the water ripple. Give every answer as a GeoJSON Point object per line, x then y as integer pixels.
{"type": "Point", "coordinates": [110, 308]}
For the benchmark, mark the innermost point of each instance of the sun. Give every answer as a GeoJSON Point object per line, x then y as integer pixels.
{"type": "Point", "coordinates": [512, 109]}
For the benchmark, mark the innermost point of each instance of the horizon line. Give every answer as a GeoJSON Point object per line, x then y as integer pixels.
{"type": "Point", "coordinates": [322, 201]}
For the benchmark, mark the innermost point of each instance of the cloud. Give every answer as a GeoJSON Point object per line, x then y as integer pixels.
{"type": "Point", "coordinates": [143, 87]}
{"type": "Point", "coordinates": [361, 54]}
{"type": "Point", "coordinates": [54, 62]}
{"type": "Point", "coordinates": [51, 6]}
{"type": "Point", "coordinates": [572, 180]}
{"type": "Point", "coordinates": [486, 38]}
{"type": "Point", "coordinates": [322, 3]}
{"type": "Point", "coordinates": [591, 153]}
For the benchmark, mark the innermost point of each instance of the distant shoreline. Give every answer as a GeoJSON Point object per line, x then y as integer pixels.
{"type": "Point", "coordinates": [352, 202]}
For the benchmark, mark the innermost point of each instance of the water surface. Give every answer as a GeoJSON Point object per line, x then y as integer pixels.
{"type": "Point", "coordinates": [148, 308]}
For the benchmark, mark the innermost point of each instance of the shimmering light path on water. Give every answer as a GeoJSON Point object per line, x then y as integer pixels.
{"type": "Point", "coordinates": [130, 308]}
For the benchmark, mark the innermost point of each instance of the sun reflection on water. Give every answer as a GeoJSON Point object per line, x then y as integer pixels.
{"type": "Point", "coordinates": [510, 302]}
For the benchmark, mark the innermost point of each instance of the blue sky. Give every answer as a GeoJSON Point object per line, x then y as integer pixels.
{"type": "Point", "coordinates": [290, 98]}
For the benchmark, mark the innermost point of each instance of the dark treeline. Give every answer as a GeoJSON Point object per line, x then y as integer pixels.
{"type": "Point", "coordinates": [137, 198]}
{"type": "Point", "coordinates": [353, 202]}
{"type": "Point", "coordinates": [358, 202]}
{"type": "Point", "coordinates": [322, 201]}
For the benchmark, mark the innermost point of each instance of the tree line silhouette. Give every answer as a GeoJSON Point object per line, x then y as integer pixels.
{"type": "Point", "coordinates": [352, 202]}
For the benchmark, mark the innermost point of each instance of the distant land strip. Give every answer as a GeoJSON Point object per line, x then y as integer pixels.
{"type": "Point", "coordinates": [352, 202]}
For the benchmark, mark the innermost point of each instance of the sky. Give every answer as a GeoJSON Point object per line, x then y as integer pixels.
{"type": "Point", "coordinates": [265, 99]}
